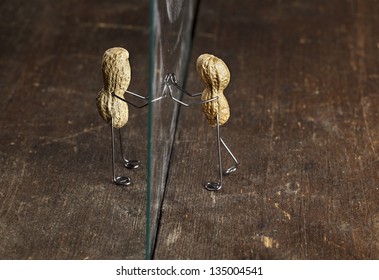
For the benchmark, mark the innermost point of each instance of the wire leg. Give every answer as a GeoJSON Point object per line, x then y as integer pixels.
{"type": "Point", "coordinates": [130, 164]}
{"type": "Point", "coordinates": [118, 180]}
{"type": "Point", "coordinates": [214, 186]}
{"type": "Point", "coordinates": [235, 166]}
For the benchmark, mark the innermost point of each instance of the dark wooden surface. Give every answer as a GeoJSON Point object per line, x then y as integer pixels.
{"type": "Point", "coordinates": [304, 99]}
{"type": "Point", "coordinates": [56, 196]}
{"type": "Point", "coordinates": [304, 125]}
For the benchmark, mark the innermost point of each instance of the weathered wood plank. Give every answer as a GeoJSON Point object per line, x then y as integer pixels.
{"type": "Point", "coordinates": [304, 125]}
{"type": "Point", "coordinates": [56, 196]}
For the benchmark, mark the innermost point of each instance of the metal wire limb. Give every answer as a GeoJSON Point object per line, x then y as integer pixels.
{"type": "Point", "coordinates": [118, 180]}
{"type": "Point", "coordinates": [171, 81]}
{"type": "Point", "coordinates": [128, 163]}
{"type": "Point", "coordinates": [235, 166]}
{"type": "Point", "coordinates": [216, 186]}
{"type": "Point", "coordinates": [139, 96]}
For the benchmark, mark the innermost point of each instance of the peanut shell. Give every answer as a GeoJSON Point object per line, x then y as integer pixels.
{"type": "Point", "coordinates": [216, 77]}
{"type": "Point", "coordinates": [116, 77]}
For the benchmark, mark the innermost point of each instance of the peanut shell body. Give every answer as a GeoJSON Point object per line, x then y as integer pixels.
{"type": "Point", "coordinates": [216, 77]}
{"type": "Point", "coordinates": [116, 77]}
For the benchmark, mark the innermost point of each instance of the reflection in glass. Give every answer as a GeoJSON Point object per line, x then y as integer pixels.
{"type": "Point", "coordinates": [171, 25]}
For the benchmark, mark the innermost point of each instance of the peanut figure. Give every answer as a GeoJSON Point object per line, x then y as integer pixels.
{"type": "Point", "coordinates": [216, 76]}
{"type": "Point", "coordinates": [112, 106]}
{"type": "Point", "coordinates": [116, 77]}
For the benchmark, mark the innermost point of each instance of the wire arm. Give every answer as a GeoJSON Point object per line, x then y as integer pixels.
{"type": "Point", "coordinates": [139, 96]}
{"type": "Point", "coordinates": [170, 79]}
{"type": "Point", "coordinates": [193, 103]}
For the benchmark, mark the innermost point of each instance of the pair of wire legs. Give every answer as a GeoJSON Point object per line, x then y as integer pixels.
{"type": "Point", "coordinates": [130, 164]}
{"type": "Point", "coordinates": [216, 186]}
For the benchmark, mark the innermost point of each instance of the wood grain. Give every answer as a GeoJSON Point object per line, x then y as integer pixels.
{"type": "Point", "coordinates": [57, 200]}
{"type": "Point", "coordinates": [304, 125]}
{"type": "Point", "coordinates": [304, 110]}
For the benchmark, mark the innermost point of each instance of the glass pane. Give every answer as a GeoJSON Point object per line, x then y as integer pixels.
{"type": "Point", "coordinates": [171, 25]}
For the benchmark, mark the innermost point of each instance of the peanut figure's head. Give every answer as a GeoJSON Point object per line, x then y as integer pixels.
{"type": "Point", "coordinates": [116, 70]}
{"type": "Point", "coordinates": [213, 71]}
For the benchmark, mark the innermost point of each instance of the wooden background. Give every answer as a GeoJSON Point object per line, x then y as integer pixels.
{"type": "Point", "coordinates": [304, 98]}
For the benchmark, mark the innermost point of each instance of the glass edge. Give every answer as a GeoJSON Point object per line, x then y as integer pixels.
{"type": "Point", "coordinates": [150, 117]}
{"type": "Point", "coordinates": [184, 73]}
